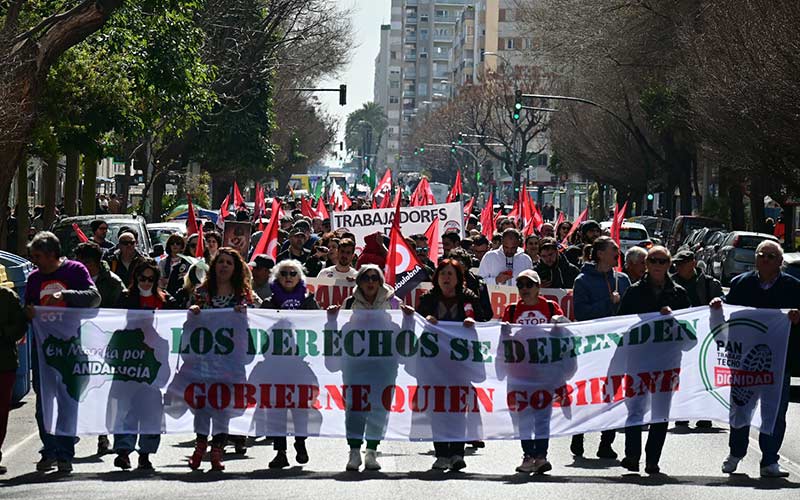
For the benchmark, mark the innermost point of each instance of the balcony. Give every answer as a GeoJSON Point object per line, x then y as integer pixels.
{"type": "Point", "coordinates": [444, 19]}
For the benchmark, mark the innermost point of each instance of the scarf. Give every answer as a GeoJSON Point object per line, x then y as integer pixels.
{"type": "Point", "coordinates": [288, 300]}
{"type": "Point", "coordinates": [382, 301]}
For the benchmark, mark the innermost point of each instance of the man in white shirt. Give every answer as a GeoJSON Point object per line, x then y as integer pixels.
{"type": "Point", "coordinates": [343, 270]}
{"type": "Point", "coordinates": [503, 265]}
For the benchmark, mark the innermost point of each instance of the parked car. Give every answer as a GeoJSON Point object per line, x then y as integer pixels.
{"type": "Point", "coordinates": [736, 254]}
{"type": "Point", "coordinates": [69, 240]}
{"type": "Point", "coordinates": [159, 232]}
{"type": "Point", "coordinates": [690, 240]}
{"type": "Point", "coordinates": [657, 227]}
{"type": "Point", "coordinates": [631, 234]}
{"type": "Point", "coordinates": [684, 225]}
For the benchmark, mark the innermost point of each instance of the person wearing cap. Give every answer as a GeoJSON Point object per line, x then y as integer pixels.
{"type": "Point", "coordinates": [504, 264]}
{"type": "Point", "coordinates": [296, 249]}
{"type": "Point", "coordinates": [532, 310]}
{"type": "Point", "coordinates": [260, 267]}
{"type": "Point", "coordinates": [590, 231]}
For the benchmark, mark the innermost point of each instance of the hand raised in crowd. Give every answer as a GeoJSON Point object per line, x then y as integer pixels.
{"type": "Point", "coordinates": [407, 309]}
{"type": "Point", "coordinates": [333, 309]}
{"type": "Point", "coordinates": [194, 309]}
{"type": "Point", "coordinates": [715, 303]}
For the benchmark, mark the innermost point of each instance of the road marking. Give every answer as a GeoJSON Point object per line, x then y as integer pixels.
{"type": "Point", "coordinates": [10, 451]}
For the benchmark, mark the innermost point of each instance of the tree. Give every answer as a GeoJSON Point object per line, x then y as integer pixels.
{"type": "Point", "coordinates": [364, 130]}
{"type": "Point", "coordinates": [32, 38]}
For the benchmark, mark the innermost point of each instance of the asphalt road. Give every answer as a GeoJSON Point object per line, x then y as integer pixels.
{"type": "Point", "coordinates": [691, 466]}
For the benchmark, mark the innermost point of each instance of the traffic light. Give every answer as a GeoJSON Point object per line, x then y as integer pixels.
{"type": "Point", "coordinates": [460, 138]}
{"type": "Point", "coordinates": [342, 95]}
{"type": "Point", "coordinates": [452, 146]}
{"type": "Point", "coordinates": [416, 151]}
{"type": "Point", "coordinates": [422, 149]}
{"type": "Point", "coordinates": [517, 104]}
{"type": "Point", "coordinates": [650, 197]}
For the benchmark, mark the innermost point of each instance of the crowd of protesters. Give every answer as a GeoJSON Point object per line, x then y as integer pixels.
{"type": "Point", "coordinates": [119, 276]}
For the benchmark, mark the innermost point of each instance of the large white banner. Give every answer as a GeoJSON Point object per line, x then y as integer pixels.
{"type": "Point", "coordinates": [413, 220]}
{"type": "Point", "coordinates": [386, 375]}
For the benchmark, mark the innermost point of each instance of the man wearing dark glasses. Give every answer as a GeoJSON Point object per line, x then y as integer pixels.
{"type": "Point", "coordinates": [767, 287]}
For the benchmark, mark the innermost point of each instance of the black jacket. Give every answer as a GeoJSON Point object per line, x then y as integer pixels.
{"type": "Point", "coordinates": [701, 288]}
{"type": "Point", "coordinates": [640, 298]}
{"type": "Point", "coordinates": [429, 305]}
{"type": "Point", "coordinates": [562, 275]}
{"type": "Point", "coordinates": [477, 285]}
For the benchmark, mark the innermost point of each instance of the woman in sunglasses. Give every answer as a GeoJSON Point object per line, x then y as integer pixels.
{"type": "Point", "coordinates": [655, 292]}
{"type": "Point", "coordinates": [371, 293]}
{"type": "Point", "coordinates": [450, 300]}
{"type": "Point", "coordinates": [289, 292]}
{"type": "Point", "coordinates": [226, 285]}
{"type": "Point", "coordinates": [144, 294]}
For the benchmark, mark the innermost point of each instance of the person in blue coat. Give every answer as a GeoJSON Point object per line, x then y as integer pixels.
{"type": "Point", "coordinates": [597, 293]}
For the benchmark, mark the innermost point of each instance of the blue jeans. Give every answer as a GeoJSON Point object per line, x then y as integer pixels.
{"type": "Point", "coordinates": [536, 448]}
{"type": "Point", "coordinates": [61, 448]}
{"type": "Point", "coordinates": [770, 445]}
{"type": "Point", "coordinates": [148, 443]}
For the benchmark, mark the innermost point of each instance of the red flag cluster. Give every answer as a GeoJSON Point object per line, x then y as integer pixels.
{"type": "Point", "coordinates": [422, 196]}
{"type": "Point", "coordinates": [268, 244]}
{"type": "Point", "coordinates": [616, 228]}
{"type": "Point", "coordinates": [457, 189]}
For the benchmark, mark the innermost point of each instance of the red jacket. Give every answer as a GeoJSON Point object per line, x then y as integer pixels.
{"type": "Point", "coordinates": [374, 251]}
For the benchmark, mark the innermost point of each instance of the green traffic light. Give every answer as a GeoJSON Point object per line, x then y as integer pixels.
{"type": "Point", "coordinates": [518, 106]}
{"type": "Point", "coordinates": [516, 116]}
{"type": "Point", "coordinates": [421, 150]}
{"type": "Point", "coordinates": [650, 197]}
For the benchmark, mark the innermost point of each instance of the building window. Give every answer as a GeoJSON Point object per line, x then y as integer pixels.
{"type": "Point", "coordinates": [393, 99]}
{"type": "Point", "coordinates": [509, 44]}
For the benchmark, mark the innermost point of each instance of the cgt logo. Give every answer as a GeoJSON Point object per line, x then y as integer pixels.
{"type": "Point", "coordinates": [729, 366]}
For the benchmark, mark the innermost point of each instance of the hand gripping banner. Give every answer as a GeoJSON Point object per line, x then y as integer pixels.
{"type": "Point", "coordinates": [386, 375]}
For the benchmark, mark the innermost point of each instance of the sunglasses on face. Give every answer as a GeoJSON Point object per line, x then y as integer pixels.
{"type": "Point", "coordinates": [768, 256]}
{"type": "Point", "coordinates": [286, 274]}
{"type": "Point", "coordinates": [370, 277]}
{"type": "Point", "coordinates": [526, 284]}
{"type": "Point", "coordinates": [422, 250]}
{"type": "Point", "coordinates": [146, 279]}
{"type": "Point", "coordinates": [659, 261]}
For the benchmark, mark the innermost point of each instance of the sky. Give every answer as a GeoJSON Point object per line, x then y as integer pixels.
{"type": "Point", "coordinates": [359, 75]}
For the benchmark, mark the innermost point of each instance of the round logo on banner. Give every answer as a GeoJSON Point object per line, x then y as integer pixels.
{"type": "Point", "coordinates": [452, 225]}
{"type": "Point", "coordinates": [732, 360]}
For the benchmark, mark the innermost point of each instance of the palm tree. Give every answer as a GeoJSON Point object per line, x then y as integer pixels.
{"type": "Point", "coordinates": [370, 119]}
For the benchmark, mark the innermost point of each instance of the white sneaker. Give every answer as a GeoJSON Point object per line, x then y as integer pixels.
{"type": "Point", "coordinates": [354, 463]}
{"type": "Point", "coordinates": [441, 463]}
{"type": "Point", "coordinates": [773, 470]}
{"type": "Point", "coordinates": [730, 464]}
{"type": "Point", "coordinates": [371, 460]}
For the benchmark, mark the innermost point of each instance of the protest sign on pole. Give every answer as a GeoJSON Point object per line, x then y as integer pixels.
{"type": "Point", "coordinates": [276, 373]}
{"type": "Point", "coordinates": [413, 220]}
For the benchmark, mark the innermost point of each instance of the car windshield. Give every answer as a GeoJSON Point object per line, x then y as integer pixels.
{"type": "Point", "coordinates": [749, 242]}
{"type": "Point", "coordinates": [633, 233]}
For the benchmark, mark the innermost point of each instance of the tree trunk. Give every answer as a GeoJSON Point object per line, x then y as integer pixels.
{"type": "Point", "coordinates": [89, 196]}
{"type": "Point", "coordinates": [23, 216]}
{"type": "Point", "coordinates": [736, 197]}
{"type": "Point", "coordinates": [71, 183]}
{"type": "Point", "coordinates": [50, 181]}
{"type": "Point", "coordinates": [757, 216]}
{"type": "Point", "coordinates": [159, 184]}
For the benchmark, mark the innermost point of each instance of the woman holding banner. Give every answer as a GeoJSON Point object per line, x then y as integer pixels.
{"type": "Point", "coordinates": [449, 300]}
{"type": "Point", "coordinates": [289, 292]}
{"type": "Point", "coordinates": [226, 285]}
{"type": "Point", "coordinates": [597, 292]}
{"type": "Point", "coordinates": [371, 293]}
{"type": "Point", "coordinates": [140, 405]}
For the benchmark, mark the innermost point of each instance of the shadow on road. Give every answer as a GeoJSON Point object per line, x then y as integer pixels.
{"type": "Point", "coordinates": [735, 480]}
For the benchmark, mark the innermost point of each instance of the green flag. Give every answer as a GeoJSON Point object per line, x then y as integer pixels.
{"type": "Point", "coordinates": [318, 188]}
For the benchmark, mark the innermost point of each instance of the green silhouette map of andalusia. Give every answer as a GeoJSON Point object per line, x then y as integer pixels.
{"type": "Point", "coordinates": [126, 358]}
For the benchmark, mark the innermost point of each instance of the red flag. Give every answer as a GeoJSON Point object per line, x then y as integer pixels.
{"type": "Point", "coordinates": [191, 219]}
{"type": "Point", "coordinates": [468, 207]}
{"type": "Point", "coordinates": [322, 210]}
{"type": "Point", "coordinates": [268, 243]}
{"type": "Point", "coordinates": [487, 218]}
{"type": "Point", "coordinates": [238, 199]}
{"type": "Point", "coordinates": [384, 186]}
{"type": "Point", "coordinates": [560, 219]}
{"type": "Point", "coordinates": [575, 225]}
{"type": "Point", "coordinates": [386, 202]}
{"type": "Point", "coordinates": [423, 196]}
{"type": "Point", "coordinates": [374, 205]}
{"type": "Point", "coordinates": [223, 209]}
{"type": "Point", "coordinates": [260, 205]}
{"type": "Point", "coordinates": [346, 201]}
{"type": "Point", "coordinates": [457, 190]}
{"type": "Point", "coordinates": [306, 209]}
{"type": "Point", "coordinates": [616, 228]}
{"type": "Point", "coordinates": [536, 219]}
{"type": "Point", "coordinates": [200, 249]}
{"type": "Point", "coordinates": [403, 270]}
{"type": "Point", "coordinates": [434, 241]}
{"type": "Point", "coordinates": [80, 234]}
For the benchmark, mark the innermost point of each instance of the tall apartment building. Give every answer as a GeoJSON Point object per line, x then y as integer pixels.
{"type": "Point", "coordinates": [386, 92]}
